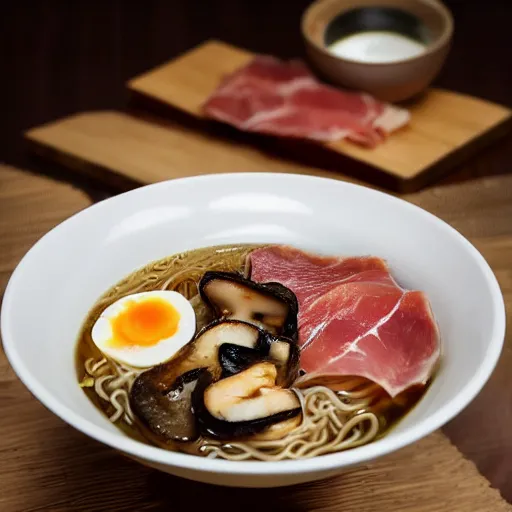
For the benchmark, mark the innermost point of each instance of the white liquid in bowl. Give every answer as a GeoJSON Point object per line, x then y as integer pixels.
{"type": "Point", "coordinates": [377, 47]}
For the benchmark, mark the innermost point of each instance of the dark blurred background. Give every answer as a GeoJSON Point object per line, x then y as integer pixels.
{"type": "Point", "coordinates": [60, 57]}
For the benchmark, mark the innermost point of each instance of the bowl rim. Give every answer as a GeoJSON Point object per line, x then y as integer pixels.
{"type": "Point", "coordinates": [329, 462]}
{"type": "Point", "coordinates": [437, 45]}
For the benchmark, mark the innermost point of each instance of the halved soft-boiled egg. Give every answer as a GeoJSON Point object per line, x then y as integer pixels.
{"type": "Point", "coordinates": [145, 329]}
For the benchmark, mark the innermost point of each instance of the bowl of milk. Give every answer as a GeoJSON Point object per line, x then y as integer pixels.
{"type": "Point", "coordinates": [392, 49]}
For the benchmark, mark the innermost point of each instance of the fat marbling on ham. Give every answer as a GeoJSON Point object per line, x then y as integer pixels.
{"type": "Point", "coordinates": [284, 98]}
{"type": "Point", "coordinates": [354, 319]}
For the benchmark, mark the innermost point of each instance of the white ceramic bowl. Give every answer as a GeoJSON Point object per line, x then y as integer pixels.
{"type": "Point", "coordinates": [60, 278]}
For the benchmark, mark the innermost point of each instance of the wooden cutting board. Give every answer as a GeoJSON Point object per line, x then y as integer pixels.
{"type": "Point", "coordinates": [445, 128]}
{"type": "Point", "coordinates": [124, 150]}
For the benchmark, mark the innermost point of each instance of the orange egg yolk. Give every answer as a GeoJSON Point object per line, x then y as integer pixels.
{"type": "Point", "coordinates": [144, 323]}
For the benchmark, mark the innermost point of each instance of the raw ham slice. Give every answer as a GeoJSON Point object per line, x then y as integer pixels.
{"type": "Point", "coordinates": [284, 98]}
{"type": "Point", "coordinates": [355, 322]}
{"type": "Point", "coordinates": [310, 275]}
{"type": "Point", "coordinates": [373, 331]}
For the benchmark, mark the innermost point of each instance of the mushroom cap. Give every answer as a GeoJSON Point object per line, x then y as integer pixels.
{"type": "Point", "coordinates": [271, 306]}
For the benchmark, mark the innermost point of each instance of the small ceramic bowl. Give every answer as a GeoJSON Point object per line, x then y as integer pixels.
{"type": "Point", "coordinates": [53, 288]}
{"type": "Point", "coordinates": [426, 21]}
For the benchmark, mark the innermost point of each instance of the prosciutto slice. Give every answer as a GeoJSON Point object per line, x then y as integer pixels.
{"type": "Point", "coordinates": [310, 275]}
{"type": "Point", "coordinates": [354, 319]}
{"type": "Point", "coordinates": [276, 97]}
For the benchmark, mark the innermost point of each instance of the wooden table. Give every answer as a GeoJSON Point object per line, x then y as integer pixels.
{"type": "Point", "coordinates": [78, 57]}
{"type": "Point", "coordinates": [47, 465]}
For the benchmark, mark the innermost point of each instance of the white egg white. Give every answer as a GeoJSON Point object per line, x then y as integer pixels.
{"type": "Point", "coordinates": [140, 356]}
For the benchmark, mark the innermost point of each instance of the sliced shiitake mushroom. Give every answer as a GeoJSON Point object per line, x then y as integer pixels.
{"type": "Point", "coordinates": [280, 351]}
{"type": "Point", "coordinates": [167, 414]}
{"type": "Point", "coordinates": [234, 359]}
{"type": "Point", "coordinates": [202, 350]}
{"type": "Point", "coordinates": [285, 354]}
{"type": "Point", "coordinates": [271, 306]}
{"type": "Point", "coordinates": [278, 430]}
{"type": "Point", "coordinates": [161, 396]}
{"type": "Point", "coordinates": [243, 404]}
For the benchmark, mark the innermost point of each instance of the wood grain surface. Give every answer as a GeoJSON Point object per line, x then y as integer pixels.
{"type": "Point", "coordinates": [125, 150]}
{"type": "Point", "coordinates": [47, 465]}
{"type": "Point", "coordinates": [445, 126]}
